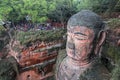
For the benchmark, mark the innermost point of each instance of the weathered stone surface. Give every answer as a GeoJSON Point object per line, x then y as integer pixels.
{"type": "Point", "coordinates": [95, 71]}
{"type": "Point", "coordinates": [85, 36]}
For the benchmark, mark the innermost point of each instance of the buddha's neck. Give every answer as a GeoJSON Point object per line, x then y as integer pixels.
{"type": "Point", "coordinates": [79, 62]}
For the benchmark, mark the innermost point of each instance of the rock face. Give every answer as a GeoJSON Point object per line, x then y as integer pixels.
{"type": "Point", "coordinates": [35, 54]}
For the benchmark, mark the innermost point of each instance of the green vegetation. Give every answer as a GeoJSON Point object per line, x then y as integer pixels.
{"type": "Point", "coordinates": [116, 72]}
{"type": "Point", "coordinates": [8, 69]}
{"type": "Point", "coordinates": [2, 30]}
{"type": "Point", "coordinates": [17, 10]}
{"type": "Point", "coordinates": [32, 36]}
{"type": "Point", "coordinates": [114, 23]}
{"type": "Point", "coordinates": [4, 38]}
{"type": "Point", "coordinates": [111, 49]}
{"type": "Point", "coordinates": [112, 52]}
{"type": "Point", "coordinates": [56, 10]}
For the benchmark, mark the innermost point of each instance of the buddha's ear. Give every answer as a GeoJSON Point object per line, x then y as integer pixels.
{"type": "Point", "coordinates": [100, 40]}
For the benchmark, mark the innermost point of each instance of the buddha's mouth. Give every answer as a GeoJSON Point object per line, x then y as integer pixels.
{"type": "Point", "coordinates": [71, 51]}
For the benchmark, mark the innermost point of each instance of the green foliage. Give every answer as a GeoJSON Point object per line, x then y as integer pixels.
{"type": "Point", "coordinates": [114, 23]}
{"type": "Point", "coordinates": [116, 72]}
{"type": "Point", "coordinates": [117, 6]}
{"type": "Point", "coordinates": [4, 38]}
{"type": "Point", "coordinates": [99, 6]}
{"type": "Point", "coordinates": [17, 10]}
{"type": "Point", "coordinates": [84, 4]}
{"type": "Point", "coordinates": [2, 28]}
{"type": "Point", "coordinates": [8, 69]}
{"type": "Point", "coordinates": [112, 52]}
{"type": "Point", "coordinates": [112, 38]}
{"type": "Point", "coordinates": [58, 10]}
{"type": "Point", "coordinates": [32, 36]}
{"type": "Point", "coordinates": [2, 31]}
{"type": "Point", "coordinates": [64, 9]}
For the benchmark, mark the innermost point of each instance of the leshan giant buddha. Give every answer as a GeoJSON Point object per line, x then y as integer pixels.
{"type": "Point", "coordinates": [85, 36]}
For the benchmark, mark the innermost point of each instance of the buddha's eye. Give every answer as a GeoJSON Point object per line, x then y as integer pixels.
{"type": "Point", "coordinates": [80, 37]}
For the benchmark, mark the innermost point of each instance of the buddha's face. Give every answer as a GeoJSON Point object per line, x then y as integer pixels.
{"type": "Point", "coordinates": [79, 42]}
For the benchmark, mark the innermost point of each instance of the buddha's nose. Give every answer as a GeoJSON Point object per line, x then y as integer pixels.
{"type": "Point", "coordinates": [70, 45]}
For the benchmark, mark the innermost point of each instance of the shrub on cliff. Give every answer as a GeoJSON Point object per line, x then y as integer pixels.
{"type": "Point", "coordinates": [40, 35]}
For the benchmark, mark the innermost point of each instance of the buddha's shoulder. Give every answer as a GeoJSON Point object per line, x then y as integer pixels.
{"type": "Point", "coordinates": [97, 71]}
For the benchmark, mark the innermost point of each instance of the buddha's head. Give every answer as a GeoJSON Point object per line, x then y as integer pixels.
{"type": "Point", "coordinates": [85, 35]}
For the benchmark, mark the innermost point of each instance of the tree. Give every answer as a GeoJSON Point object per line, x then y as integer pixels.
{"type": "Point", "coordinates": [56, 10]}
{"type": "Point", "coordinates": [63, 10]}
{"type": "Point", "coordinates": [99, 6]}
{"type": "Point", "coordinates": [14, 10]}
